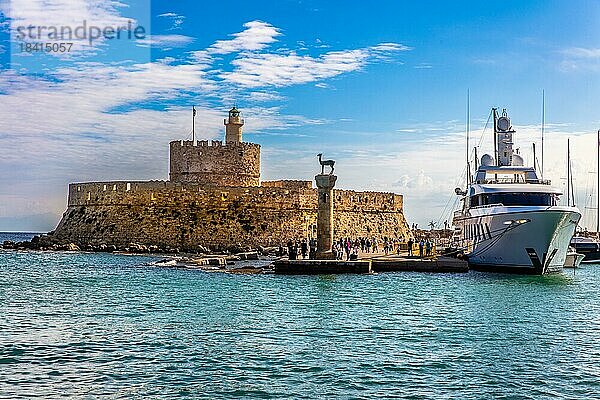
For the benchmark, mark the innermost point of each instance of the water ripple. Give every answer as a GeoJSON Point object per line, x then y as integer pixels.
{"type": "Point", "coordinates": [98, 325]}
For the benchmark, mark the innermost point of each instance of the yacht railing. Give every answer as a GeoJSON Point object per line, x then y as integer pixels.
{"type": "Point", "coordinates": [489, 205]}
{"type": "Point", "coordinates": [513, 181]}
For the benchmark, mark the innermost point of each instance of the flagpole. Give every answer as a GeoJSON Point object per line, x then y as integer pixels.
{"type": "Point", "coordinates": [194, 125]}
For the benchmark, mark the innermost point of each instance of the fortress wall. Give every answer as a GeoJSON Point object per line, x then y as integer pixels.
{"type": "Point", "coordinates": [215, 163]}
{"type": "Point", "coordinates": [187, 215]}
{"type": "Point", "coordinates": [289, 184]}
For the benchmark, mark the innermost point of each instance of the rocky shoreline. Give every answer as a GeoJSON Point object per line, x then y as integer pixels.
{"type": "Point", "coordinates": [47, 242]}
{"type": "Point", "coordinates": [235, 259]}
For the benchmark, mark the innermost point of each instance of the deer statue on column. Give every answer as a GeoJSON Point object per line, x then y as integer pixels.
{"type": "Point", "coordinates": [324, 163]}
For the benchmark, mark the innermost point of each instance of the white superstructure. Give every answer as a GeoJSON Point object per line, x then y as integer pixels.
{"type": "Point", "coordinates": [510, 219]}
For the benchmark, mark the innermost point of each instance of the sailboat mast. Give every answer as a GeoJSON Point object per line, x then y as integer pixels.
{"type": "Point", "coordinates": [568, 172]}
{"type": "Point", "coordinates": [598, 188]}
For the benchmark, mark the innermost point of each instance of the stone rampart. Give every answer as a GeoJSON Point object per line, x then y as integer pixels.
{"type": "Point", "coordinates": [288, 184]}
{"type": "Point", "coordinates": [188, 215]}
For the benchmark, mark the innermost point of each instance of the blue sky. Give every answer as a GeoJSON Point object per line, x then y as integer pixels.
{"type": "Point", "coordinates": [379, 86]}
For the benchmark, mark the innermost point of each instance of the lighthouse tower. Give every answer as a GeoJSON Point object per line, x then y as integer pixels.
{"type": "Point", "coordinates": [233, 126]}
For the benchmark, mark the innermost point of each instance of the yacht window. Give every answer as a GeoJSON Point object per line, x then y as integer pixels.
{"type": "Point", "coordinates": [520, 199]}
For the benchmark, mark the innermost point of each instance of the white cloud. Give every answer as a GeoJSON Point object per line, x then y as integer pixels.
{"type": "Point", "coordinates": [580, 59]}
{"type": "Point", "coordinates": [265, 96]}
{"type": "Point", "coordinates": [419, 180]}
{"type": "Point", "coordinates": [176, 19]}
{"type": "Point", "coordinates": [581, 52]}
{"type": "Point", "coordinates": [423, 66]}
{"type": "Point", "coordinates": [166, 41]}
{"type": "Point", "coordinates": [385, 47]}
{"type": "Point", "coordinates": [256, 36]}
{"type": "Point", "coordinates": [269, 69]}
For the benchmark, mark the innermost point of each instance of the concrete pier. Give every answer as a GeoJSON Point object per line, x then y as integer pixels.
{"type": "Point", "coordinates": [379, 264]}
{"type": "Point", "coordinates": [325, 184]}
{"type": "Point", "coordinates": [321, 267]}
{"type": "Point", "coordinates": [439, 264]}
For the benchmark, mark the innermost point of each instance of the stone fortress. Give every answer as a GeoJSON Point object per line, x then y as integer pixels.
{"type": "Point", "coordinates": [214, 198]}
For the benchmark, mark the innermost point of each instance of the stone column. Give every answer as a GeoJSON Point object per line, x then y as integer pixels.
{"type": "Point", "coordinates": [325, 184]}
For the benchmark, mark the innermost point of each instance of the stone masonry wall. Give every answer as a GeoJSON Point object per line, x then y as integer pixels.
{"type": "Point", "coordinates": [217, 163]}
{"type": "Point", "coordinates": [186, 215]}
{"type": "Point", "coordinates": [287, 183]}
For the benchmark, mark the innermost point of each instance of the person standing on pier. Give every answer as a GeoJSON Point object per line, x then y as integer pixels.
{"type": "Point", "coordinates": [312, 253]}
{"type": "Point", "coordinates": [348, 248]}
{"type": "Point", "coordinates": [304, 248]}
{"type": "Point", "coordinates": [290, 248]}
{"type": "Point", "coordinates": [410, 247]}
{"type": "Point", "coordinates": [421, 245]}
{"type": "Point", "coordinates": [428, 247]}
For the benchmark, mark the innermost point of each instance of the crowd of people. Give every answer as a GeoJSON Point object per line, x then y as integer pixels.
{"type": "Point", "coordinates": [300, 249]}
{"type": "Point", "coordinates": [349, 249]}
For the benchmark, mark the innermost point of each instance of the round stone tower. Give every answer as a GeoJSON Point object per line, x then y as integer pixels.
{"type": "Point", "coordinates": [233, 163]}
{"type": "Point", "coordinates": [233, 126]}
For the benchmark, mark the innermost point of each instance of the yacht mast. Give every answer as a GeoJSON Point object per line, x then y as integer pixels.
{"type": "Point", "coordinates": [543, 123]}
{"type": "Point", "coordinates": [495, 112]}
{"type": "Point", "coordinates": [468, 134]}
{"type": "Point", "coordinates": [598, 188]}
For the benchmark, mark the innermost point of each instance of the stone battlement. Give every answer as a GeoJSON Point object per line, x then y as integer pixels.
{"type": "Point", "coordinates": [217, 164]}
{"type": "Point", "coordinates": [288, 183]}
{"type": "Point", "coordinates": [157, 192]}
{"type": "Point", "coordinates": [213, 143]}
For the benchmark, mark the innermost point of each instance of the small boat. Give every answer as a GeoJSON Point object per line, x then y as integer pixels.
{"type": "Point", "coordinates": [573, 258]}
{"type": "Point", "coordinates": [588, 246]}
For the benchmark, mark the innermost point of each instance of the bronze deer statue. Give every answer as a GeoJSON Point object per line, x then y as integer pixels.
{"type": "Point", "coordinates": [323, 163]}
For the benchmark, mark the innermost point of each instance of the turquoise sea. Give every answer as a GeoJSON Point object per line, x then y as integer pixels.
{"type": "Point", "coordinates": [114, 326]}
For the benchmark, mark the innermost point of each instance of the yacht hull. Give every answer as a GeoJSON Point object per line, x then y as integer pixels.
{"type": "Point", "coordinates": [524, 242]}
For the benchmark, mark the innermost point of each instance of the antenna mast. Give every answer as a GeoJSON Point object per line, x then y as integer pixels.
{"type": "Point", "coordinates": [495, 112]}
{"type": "Point", "coordinates": [543, 123]}
{"type": "Point", "coordinates": [468, 134]}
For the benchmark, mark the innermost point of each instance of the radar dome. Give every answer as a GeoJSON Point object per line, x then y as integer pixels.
{"type": "Point", "coordinates": [487, 160]}
{"type": "Point", "coordinates": [517, 160]}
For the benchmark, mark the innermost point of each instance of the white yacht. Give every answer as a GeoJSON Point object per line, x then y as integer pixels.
{"type": "Point", "coordinates": [510, 220]}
